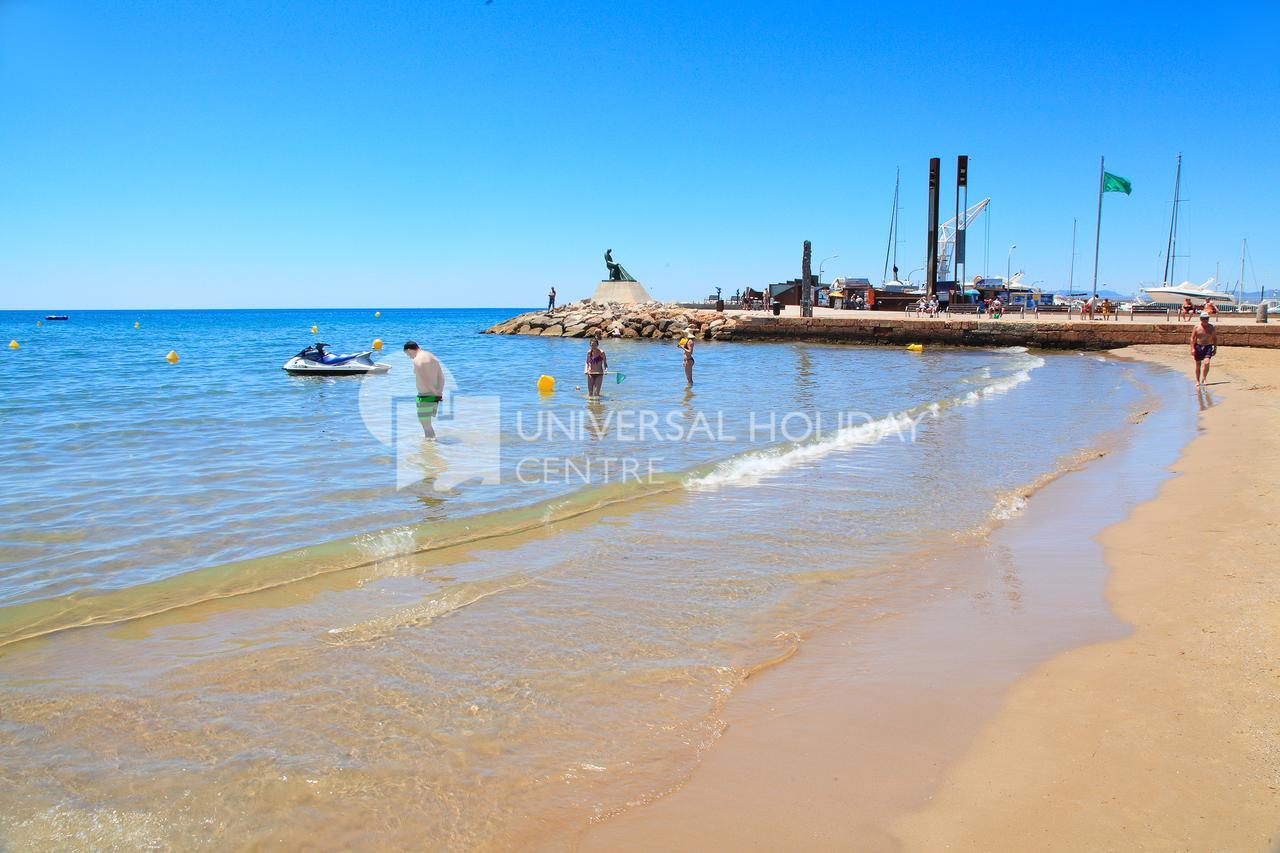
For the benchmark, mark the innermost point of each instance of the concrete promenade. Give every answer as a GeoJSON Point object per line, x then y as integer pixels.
{"type": "Point", "coordinates": [1052, 331]}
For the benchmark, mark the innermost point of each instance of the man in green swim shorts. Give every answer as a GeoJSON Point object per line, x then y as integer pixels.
{"type": "Point", "coordinates": [430, 380]}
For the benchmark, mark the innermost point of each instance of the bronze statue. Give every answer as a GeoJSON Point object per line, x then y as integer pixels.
{"type": "Point", "coordinates": [616, 271]}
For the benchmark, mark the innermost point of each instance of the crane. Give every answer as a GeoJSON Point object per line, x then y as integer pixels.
{"type": "Point", "coordinates": [947, 237]}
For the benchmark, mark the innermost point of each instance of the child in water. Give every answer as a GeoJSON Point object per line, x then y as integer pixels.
{"type": "Point", "coordinates": [686, 346]}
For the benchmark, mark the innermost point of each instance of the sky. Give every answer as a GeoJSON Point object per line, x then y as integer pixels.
{"type": "Point", "coordinates": [469, 153]}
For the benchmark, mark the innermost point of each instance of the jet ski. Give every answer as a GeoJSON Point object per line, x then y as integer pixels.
{"type": "Point", "coordinates": [314, 361]}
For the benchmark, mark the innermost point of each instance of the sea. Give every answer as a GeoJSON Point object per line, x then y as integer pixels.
{"type": "Point", "coordinates": [240, 608]}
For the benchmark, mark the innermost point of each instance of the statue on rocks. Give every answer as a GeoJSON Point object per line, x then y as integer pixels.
{"type": "Point", "coordinates": [616, 271]}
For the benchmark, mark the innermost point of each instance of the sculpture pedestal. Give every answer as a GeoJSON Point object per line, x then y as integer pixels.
{"type": "Point", "coordinates": [625, 292]}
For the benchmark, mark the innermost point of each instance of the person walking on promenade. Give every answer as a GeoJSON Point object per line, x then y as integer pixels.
{"type": "Point", "coordinates": [1204, 346]}
{"type": "Point", "coordinates": [597, 363]}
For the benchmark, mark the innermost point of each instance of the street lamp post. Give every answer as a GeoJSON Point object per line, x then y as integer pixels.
{"type": "Point", "coordinates": [823, 264]}
{"type": "Point", "coordinates": [1008, 267]}
{"type": "Point", "coordinates": [913, 272]}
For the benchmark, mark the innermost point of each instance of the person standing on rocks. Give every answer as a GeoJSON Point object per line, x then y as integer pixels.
{"type": "Point", "coordinates": [597, 364]}
{"type": "Point", "coordinates": [686, 346]}
{"type": "Point", "coordinates": [551, 299]}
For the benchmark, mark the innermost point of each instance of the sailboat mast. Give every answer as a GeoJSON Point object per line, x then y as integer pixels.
{"type": "Point", "coordinates": [1071, 286]}
{"type": "Point", "coordinates": [1240, 284]}
{"type": "Point", "coordinates": [893, 229]}
{"type": "Point", "coordinates": [895, 224]}
{"type": "Point", "coordinates": [1172, 245]}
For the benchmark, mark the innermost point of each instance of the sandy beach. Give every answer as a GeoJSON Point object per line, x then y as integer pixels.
{"type": "Point", "coordinates": [1128, 697]}
{"type": "Point", "coordinates": [1166, 739]}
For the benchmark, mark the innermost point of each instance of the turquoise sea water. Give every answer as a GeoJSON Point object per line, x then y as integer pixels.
{"type": "Point", "coordinates": [122, 469]}
{"type": "Point", "coordinates": [503, 633]}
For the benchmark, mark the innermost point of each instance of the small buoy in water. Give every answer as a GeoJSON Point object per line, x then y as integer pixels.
{"type": "Point", "coordinates": [136, 324]}
{"type": "Point", "coordinates": [314, 329]}
{"type": "Point", "coordinates": [13, 344]}
{"type": "Point", "coordinates": [172, 357]}
{"type": "Point", "coordinates": [546, 384]}
{"type": "Point", "coordinates": [377, 313]}
{"type": "Point", "coordinates": [377, 343]}
{"type": "Point", "coordinates": [39, 323]}
{"type": "Point", "coordinates": [916, 347]}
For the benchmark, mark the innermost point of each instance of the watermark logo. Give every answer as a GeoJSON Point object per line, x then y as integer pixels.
{"type": "Point", "coordinates": [567, 443]}
{"type": "Point", "coordinates": [467, 447]}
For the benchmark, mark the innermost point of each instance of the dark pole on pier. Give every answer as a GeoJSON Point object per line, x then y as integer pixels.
{"type": "Point", "coordinates": [806, 282]}
{"type": "Point", "coordinates": [931, 246]}
{"type": "Point", "coordinates": [962, 214]}
{"type": "Point", "coordinates": [1097, 235]}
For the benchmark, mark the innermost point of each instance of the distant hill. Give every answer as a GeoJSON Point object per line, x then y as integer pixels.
{"type": "Point", "coordinates": [1113, 295]}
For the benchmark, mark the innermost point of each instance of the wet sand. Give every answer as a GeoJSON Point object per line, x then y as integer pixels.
{"type": "Point", "coordinates": [1026, 713]}
{"type": "Point", "coordinates": [1169, 739]}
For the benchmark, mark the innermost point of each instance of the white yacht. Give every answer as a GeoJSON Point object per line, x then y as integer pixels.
{"type": "Point", "coordinates": [1174, 294]}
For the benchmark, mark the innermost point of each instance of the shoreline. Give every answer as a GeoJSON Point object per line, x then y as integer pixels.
{"type": "Point", "coordinates": [1169, 735]}
{"type": "Point", "coordinates": [898, 762]}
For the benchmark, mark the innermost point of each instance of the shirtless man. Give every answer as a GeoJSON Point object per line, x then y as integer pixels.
{"type": "Point", "coordinates": [430, 380]}
{"type": "Point", "coordinates": [1204, 345]}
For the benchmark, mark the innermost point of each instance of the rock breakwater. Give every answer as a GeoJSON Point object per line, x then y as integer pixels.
{"type": "Point", "coordinates": [587, 319]}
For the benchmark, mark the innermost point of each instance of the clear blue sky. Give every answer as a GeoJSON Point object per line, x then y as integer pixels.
{"type": "Point", "coordinates": [246, 154]}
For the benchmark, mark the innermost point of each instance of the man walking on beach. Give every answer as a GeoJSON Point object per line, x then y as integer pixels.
{"type": "Point", "coordinates": [551, 299]}
{"type": "Point", "coordinates": [1204, 345]}
{"type": "Point", "coordinates": [430, 380]}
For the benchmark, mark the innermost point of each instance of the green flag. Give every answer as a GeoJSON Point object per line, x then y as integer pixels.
{"type": "Point", "coordinates": [1115, 184]}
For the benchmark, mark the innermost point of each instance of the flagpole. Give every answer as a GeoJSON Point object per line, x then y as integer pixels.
{"type": "Point", "coordinates": [1097, 236]}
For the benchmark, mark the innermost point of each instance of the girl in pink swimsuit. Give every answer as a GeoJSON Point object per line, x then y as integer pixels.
{"type": "Point", "coordinates": [597, 364]}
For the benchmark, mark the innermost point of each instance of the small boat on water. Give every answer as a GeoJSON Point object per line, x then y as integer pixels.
{"type": "Point", "coordinates": [314, 361]}
{"type": "Point", "coordinates": [57, 317]}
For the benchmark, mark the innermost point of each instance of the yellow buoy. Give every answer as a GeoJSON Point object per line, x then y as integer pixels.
{"type": "Point", "coordinates": [377, 313]}
{"type": "Point", "coordinates": [377, 343]}
{"type": "Point", "coordinates": [38, 323]}
{"type": "Point", "coordinates": [13, 344]}
{"type": "Point", "coordinates": [172, 357]}
{"type": "Point", "coordinates": [314, 329]}
{"type": "Point", "coordinates": [916, 347]}
{"type": "Point", "coordinates": [136, 324]}
{"type": "Point", "coordinates": [546, 384]}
